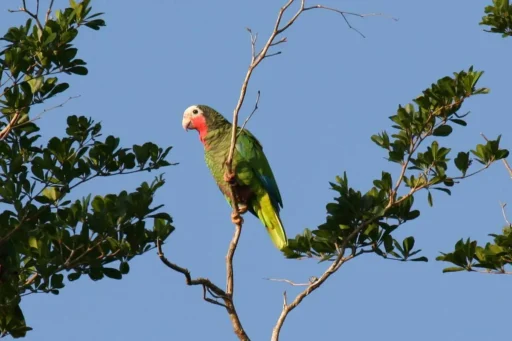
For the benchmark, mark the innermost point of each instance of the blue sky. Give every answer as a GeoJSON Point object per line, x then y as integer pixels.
{"type": "Point", "coordinates": [321, 100]}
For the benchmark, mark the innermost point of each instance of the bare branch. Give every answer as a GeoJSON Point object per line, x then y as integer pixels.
{"type": "Point", "coordinates": [282, 40]}
{"type": "Point", "coordinates": [188, 279]}
{"type": "Point", "coordinates": [254, 38]}
{"type": "Point", "coordinates": [210, 287]}
{"type": "Point", "coordinates": [340, 260]}
{"type": "Point", "coordinates": [209, 300]}
{"type": "Point", "coordinates": [344, 14]}
{"type": "Point", "coordinates": [257, 58]}
{"type": "Point", "coordinates": [230, 285]}
{"type": "Point", "coordinates": [31, 14]}
{"type": "Point", "coordinates": [7, 129]}
{"type": "Point", "coordinates": [49, 11]}
{"type": "Point", "coordinates": [505, 214]}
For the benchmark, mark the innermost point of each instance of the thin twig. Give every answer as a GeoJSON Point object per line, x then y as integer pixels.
{"type": "Point", "coordinates": [38, 116]}
{"type": "Point", "coordinates": [31, 14]}
{"type": "Point", "coordinates": [254, 38]}
{"type": "Point", "coordinates": [288, 281]}
{"type": "Point", "coordinates": [49, 11]}
{"type": "Point", "coordinates": [491, 272]}
{"type": "Point", "coordinates": [505, 214]}
{"type": "Point", "coordinates": [209, 300]}
{"type": "Point", "coordinates": [14, 230]}
{"type": "Point", "coordinates": [344, 15]}
{"type": "Point", "coordinates": [252, 113]}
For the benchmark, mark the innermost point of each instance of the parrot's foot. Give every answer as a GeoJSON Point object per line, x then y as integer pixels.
{"type": "Point", "coordinates": [229, 177]}
{"type": "Point", "coordinates": [236, 218]}
{"type": "Point", "coordinates": [242, 208]}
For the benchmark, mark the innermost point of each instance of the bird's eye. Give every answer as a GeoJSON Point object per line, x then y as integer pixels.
{"type": "Point", "coordinates": [195, 111]}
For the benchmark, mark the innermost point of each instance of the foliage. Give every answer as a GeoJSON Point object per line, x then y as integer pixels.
{"type": "Point", "coordinates": [364, 223]}
{"type": "Point", "coordinates": [45, 230]}
{"type": "Point", "coordinates": [499, 17]}
{"type": "Point", "coordinates": [493, 258]}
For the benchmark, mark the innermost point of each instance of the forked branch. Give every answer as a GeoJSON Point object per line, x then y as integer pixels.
{"type": "Point", "coordinates": [209, 287]}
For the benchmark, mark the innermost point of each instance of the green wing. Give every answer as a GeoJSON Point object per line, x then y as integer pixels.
{"type": "Point", "coordinates": [251, 159]}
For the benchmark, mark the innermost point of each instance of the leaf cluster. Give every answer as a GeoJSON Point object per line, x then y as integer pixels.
{"type": "Point", "coordinates": [47, 230]}
{"type": "Point", "coordinates": [494, 257]}
{"type": "Point", "coordinates": [499, 17]}
{"type": "Point", "coordinates": [360, 222]}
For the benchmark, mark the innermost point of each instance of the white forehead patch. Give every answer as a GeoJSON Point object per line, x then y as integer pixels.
{"type": "Point", "coordinates": [191, 108]}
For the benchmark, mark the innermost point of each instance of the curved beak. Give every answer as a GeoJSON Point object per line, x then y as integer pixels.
{"type": "Point", "coordinates": [187, 123]}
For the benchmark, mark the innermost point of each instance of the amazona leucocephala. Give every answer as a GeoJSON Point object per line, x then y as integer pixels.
{"type": "Point", "coordinates": [255, 186]}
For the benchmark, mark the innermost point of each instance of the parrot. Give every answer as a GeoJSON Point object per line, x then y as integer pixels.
{"type": "Point", "coordinates": [254, 183]}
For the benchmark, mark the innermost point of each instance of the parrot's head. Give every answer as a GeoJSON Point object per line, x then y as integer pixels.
{"type": "Point", "coordinates": [194, 118]}
{"type": "Point", "coordinates": [200, 118]}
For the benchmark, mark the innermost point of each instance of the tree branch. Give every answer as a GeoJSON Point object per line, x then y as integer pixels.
{"type": "Point", "coordinates": [49, 11]}
{"type": "Point", "coordinates": [340, 260]}
{"type": "Point", "coordinates": [23, 8]}
{"type": "Point", "coordinates": [188, 278]}
{"type": "Point", "coordinates": [210, 287]}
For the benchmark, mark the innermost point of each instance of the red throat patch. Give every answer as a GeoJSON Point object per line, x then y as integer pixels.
{"type": "Point", "coordinates": [199, 123]}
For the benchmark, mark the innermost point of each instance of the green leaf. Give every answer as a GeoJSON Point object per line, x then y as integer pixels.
{"type": "Point", "coordinates": [52, 193]}
{"type": "Point", "coordinates": [443, 130]}
{"type": "Point", "coordinates": [459, 122]}
{"type": "Point", "coordinates": [462, 162]}
{"type": "Point", "coordinates": [408, 245]}
{"type": "Point", "coordinates": [74, 276]}
{"type": "Point", "coordinates": [453, 269]}
{"type": "Point", "coordinates": [419, 259]}
{"type": "Point", "coordinates": [446, 190]}
{"type": "Point", "coordinates": [78, 70]}
{"type": "Point", "coordinates": [112, 273]}
{"type": "Point", "coordinates": [124, 268]}
{"type": "Point", "coordinates": [56, 281]}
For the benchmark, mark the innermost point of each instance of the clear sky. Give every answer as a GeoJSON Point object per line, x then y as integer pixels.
{"type": "Point", "coordinates": [321, 100]}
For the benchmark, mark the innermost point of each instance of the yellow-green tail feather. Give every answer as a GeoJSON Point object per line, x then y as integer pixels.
{"type": "Point", "coordinates": [270, 218]}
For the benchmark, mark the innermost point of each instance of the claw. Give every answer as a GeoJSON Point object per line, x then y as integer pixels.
{"type": "Point", "coordinates": [229, 177]}
{"type": "Point", "coordinates": [236, 218]}
{"type": "Point", "coordinates": [242, 208]}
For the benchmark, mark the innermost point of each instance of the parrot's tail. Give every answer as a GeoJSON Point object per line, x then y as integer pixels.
{"type": "Point", "coordinates": [270, 218]}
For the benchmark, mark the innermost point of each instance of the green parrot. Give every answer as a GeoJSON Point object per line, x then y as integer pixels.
{"type": "Point", "coordinates": [255, 186]}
